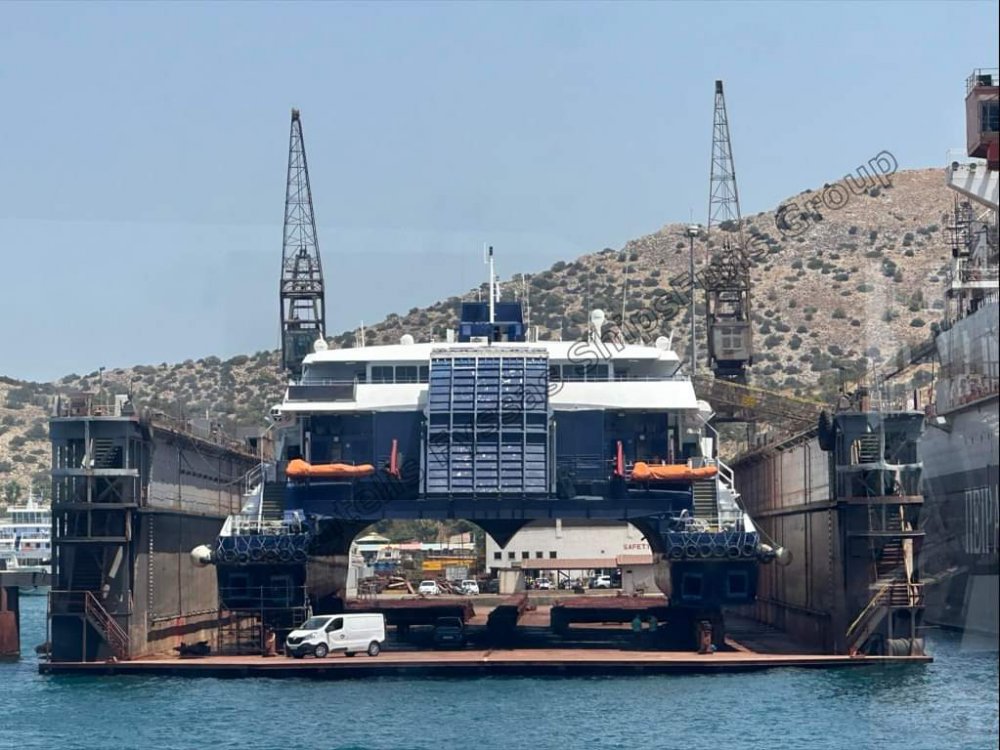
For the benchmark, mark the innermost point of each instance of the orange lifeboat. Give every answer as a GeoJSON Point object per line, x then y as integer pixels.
{"type": "Point", "coordinates": [299, 469]}
{"type": "Point", "coordinates": [644, 472]}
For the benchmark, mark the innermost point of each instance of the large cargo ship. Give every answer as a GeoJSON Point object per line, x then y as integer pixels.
{"type": "Point", "coordinates": [960, 449]}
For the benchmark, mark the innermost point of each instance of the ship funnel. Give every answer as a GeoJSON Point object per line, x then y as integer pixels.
{"type": "Point", "coordinates": [201, 556]}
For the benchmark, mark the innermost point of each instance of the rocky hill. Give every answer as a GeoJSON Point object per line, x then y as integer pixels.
{"type": "Point", "coordinates": [839, 286]}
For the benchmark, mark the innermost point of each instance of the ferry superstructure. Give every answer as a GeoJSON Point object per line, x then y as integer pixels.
{"type": "Point", "coordinates": [26, 539]}
{"type": "Point", "coordinates": [496, 427]}
{"type": "Point", "coordinates": [960, 449]}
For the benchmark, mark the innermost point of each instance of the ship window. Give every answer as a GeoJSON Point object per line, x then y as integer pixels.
{"type": "Point", "coordinates": [406, 374]}
{"type": "Point", "coordinates": [691, 586]}
{"type": "Point", "coordinates": [989, 117]}
{"type": "Point", "coordinates": [425, 373]}
{"type": "Point", "coordinates": [737, 584]}
{"type": "Point", "coordinates": [381, 373]}
{"type": "Point", "coordinates": [554, 372]}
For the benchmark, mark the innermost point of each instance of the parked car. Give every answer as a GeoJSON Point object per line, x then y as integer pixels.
{"type": "Point", "coordinates": [469, 587]}
{"type": "Point", "coordinates": [543, 583]}
{"type": "Point", "coordinates": [492, 586]}
{"type": "Point", "coordinates": [449, 632]}
{"type": "Point", "coordinates": [602, 582]}
{"type": "Point", "coordinates": [429, 588]}
{"type": "Point", "coordinates": [351, 634]}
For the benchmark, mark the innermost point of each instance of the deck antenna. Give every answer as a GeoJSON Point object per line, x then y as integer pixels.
{"type": "Point", "coordinates": [624, 294]}
{"type": "Point", "coordinates": [492, 288]}
{"type": "Point", "coordinates": [527, 302]}
{"type": "Point", "coordinates": [362, 334]}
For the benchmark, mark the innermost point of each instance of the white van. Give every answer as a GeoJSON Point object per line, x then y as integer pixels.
{"type": "Point", "coordinates": [351, 634]}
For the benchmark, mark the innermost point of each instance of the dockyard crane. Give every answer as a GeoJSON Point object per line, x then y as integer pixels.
{"type": "Point", "coordinates": [726, 278]}
{"type": "Point", "coordinates": [303, 319]}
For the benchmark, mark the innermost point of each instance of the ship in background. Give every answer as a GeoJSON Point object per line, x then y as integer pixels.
{"type": "Point", "coordinates": [959, 449]}
{"type": "Point", "coordinates": [26, 540]}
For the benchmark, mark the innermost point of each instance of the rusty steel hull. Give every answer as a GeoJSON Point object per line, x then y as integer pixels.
{"type": "Point", "coordinates": [787, 491]}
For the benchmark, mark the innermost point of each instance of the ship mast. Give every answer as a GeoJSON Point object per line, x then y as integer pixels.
{"type": "Point", "coordinates": [302, 294]}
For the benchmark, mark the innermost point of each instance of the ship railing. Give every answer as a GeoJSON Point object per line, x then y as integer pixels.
{"type": "Point", "coordinates": [255, 477]}
{"type": "Point", "coordinates": [255, 526]}
{"type": "Point", "coordinates": [84, 405]}
{"type": "Point", "coordinates": [725, 471]}
{"type": "Point", "coordinates": [957, 386]}
{"type": "Point", "coordinates": [968, 271]}
{"type": "Point", "coordinates": [561, 378]}
{"type": "Point", "coordinates": [331, 381]}
{"type": "Point", "coordinates": [982, 77]}
{"type": "Point", "coordinates": [880, 598]}
{"type": "Point", "coordinates": [113, 633]}
{"type": "Point", "coordinates": [212, 434]}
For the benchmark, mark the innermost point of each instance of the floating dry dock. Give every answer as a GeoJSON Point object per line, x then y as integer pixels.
{"type": "Point", "coordinates": [520, 662]}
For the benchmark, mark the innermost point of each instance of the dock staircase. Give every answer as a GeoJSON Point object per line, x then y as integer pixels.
{"type": "Point", "coordinates": [107, 454]}
{"type": "Point", "coordinates": [102, 621]}
{"type": "Point", "coordinates": [892, 587]}
{"type": "Point", "coordinates": [867, 449]}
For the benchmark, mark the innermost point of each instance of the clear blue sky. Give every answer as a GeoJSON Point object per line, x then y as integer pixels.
{"type": "Point", "coordinates": [143, 146]}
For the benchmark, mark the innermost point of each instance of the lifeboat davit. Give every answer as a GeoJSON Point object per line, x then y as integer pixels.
{"type": "Point", "coordinates": [644, 472]}
{"type": "Point", "coordinates": [299, 469]}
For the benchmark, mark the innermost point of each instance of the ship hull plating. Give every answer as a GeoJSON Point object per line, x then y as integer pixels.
{"type": "Point", "coordinates": [961, 500]}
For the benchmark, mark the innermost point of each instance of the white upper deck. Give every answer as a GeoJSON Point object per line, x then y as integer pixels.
{"type": "Point", "coordinates": [558, 352]}
{"type": "Point", "coordinates": [584, 374]}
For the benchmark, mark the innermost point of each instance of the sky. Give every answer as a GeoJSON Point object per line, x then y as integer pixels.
{"type": "Point", "coordinates": [143, 146]}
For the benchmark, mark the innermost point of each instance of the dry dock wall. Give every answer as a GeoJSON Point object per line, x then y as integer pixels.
{"type": "Point", "coordinates": [787, 491]}
{"type": "Point", "coordinates": [131, 499]}
{"type": "Point", "coordinates": [179, 600]}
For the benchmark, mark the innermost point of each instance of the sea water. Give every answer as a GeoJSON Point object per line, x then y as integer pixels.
{"type": "Point", "coordinates": [947, 705]}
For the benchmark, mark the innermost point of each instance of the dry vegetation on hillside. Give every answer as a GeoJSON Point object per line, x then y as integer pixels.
{"type": "Point", "coordinates": [860, 284]}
